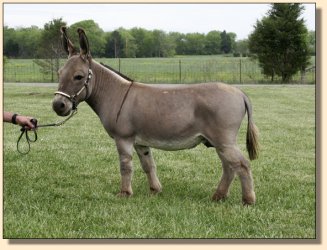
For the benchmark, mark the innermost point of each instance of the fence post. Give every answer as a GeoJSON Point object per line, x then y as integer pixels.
{"type": "Point", "coordinates": [119, 65]}
{"type": "Point", "coordinates": [240, 71]}
{"type": "Point", "coordinates": [180, 71]}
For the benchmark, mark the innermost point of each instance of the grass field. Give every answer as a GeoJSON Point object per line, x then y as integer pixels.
{"type": "Point", "coordinates": [66, 186]}
{"type": "Point", "coordinates": [184, 69]}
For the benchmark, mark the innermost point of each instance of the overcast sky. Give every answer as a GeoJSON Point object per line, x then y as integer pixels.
{"type": "Point", "coordinates": [184, 18]}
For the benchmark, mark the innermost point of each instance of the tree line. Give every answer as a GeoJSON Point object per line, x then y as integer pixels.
{"type": "Point", "coordinates": [33, 42]}
{"type": "Point", "coordinates": [280, 42]}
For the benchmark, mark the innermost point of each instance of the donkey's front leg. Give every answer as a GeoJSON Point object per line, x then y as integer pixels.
{"type": "Point", "coordinates": [125, 151]}
{"type": "Point", "coordinates": [149, 167]}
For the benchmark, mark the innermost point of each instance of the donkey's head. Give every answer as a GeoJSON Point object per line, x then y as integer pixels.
{"type": "Point", "coordinates": [74, 77]}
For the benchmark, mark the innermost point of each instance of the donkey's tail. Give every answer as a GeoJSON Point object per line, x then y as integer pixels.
{"type": "Point", "coordinates": [252, 134]}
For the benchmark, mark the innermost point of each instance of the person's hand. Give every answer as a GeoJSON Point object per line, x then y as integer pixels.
{"type": "Point", "coordinates": [25, 122]}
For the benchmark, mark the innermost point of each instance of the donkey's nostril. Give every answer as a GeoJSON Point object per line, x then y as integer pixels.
{"type": "Point", "coordinates": [62, 105]}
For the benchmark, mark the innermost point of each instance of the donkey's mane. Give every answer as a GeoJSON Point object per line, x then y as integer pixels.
{"type": "Point", "coordinates": [117, 72]}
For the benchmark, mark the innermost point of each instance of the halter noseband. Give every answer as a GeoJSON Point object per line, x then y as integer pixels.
{"type": "Point", "coordinates": [72, 98]}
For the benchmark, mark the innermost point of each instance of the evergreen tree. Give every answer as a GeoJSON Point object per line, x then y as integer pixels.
{"type": "Point", "coordinates": [226, 42]}
{"type": "Point", "coordinates": [280, 41]}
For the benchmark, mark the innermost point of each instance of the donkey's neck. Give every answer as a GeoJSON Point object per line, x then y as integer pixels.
{"type": "Point", "coordinates": [108, 90]}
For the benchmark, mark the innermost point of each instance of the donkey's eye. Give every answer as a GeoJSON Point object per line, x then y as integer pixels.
{"type": "Point", "coordinates": [78, 77]}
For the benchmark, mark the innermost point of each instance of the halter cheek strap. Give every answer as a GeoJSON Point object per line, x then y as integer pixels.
{"type": "Point", "coordinates": [72, 98]}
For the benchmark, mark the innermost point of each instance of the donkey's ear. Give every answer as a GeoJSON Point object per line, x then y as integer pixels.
{"type": "Point", "coordinates": [83, 43]}
{"type": "Point", "coordinates": [66, 43]}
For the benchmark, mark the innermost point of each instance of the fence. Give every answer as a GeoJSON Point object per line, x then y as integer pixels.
{"type": "Point", "coordinates": [166, 70]}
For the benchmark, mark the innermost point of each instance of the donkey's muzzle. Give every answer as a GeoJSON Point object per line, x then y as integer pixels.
{"type": "Point", "coordinates": [61, 105]}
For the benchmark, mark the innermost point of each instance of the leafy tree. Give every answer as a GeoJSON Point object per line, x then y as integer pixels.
{"type": "Point", "coordinates": [50, 41]}
{"type": "Point", "coordinates": [144, 42]}
{"type": "Point", "coordinates": [45, 43]}
{"type": "Point", "coordinates": [242, 47]}
{"type": "Point", "coordinates": [194, 44]}
{"type": "Point", "coordinates": [29, 41]}
{"type": "Point", "coordinates": [11, 48]}
{"type": "Point", "coordinates": [232, 38]}
{"type": "Point", "coordinates": [10, 42]}
{"type": "Point", "coordinates": [129, 48]}
{"type": "Point", "coordinates": [22, 42]}
{"type": "Point", "coordinates": [280, 41]}
{"type": "Point", "coordinates": [212, 43]}
{"type": "Point", "coordinates": [120, 43]}
{"type": "Point", "coordinates": [168, 47]}
{"type": "Point", "coordinates": [163, 44]}
{"type": "Point", "coordinates": [158, 40]}
{"type": "Point", "coordinates": [179, 40]}
{"type": "Point", "coordinates": [114, 44]}
{"type": "Point", "coordinates": [50, 48]}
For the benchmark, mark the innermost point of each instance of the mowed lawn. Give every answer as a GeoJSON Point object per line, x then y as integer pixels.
{"type": "Point", "coordinates": [66, 186]}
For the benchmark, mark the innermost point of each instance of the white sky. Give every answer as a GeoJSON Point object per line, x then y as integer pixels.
{"type": "Point", "coordinates": [184, 18]}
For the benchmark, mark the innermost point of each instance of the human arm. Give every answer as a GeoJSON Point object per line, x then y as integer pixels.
{"type": "Point", "coordinates": [21, 120]}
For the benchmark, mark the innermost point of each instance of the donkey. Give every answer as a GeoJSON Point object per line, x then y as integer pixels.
{"type": "Point", "coordinates": [162, 116]}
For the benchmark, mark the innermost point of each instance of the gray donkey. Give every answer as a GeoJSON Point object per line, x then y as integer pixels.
{"type": "Point", "coordinates": [163, 116]}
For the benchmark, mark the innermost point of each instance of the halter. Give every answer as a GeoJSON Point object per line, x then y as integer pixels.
{"type": "Point", "coordinates": [72, 98]}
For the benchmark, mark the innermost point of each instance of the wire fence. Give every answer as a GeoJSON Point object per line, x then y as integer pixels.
{"type": "Point", "coordinates": [165, 70]}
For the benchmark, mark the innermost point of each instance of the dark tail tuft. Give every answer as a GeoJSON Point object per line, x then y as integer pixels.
{"type": "Point", "coordinates": [252, 135]}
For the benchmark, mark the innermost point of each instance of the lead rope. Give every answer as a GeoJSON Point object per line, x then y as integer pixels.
{"type": "Point", "coordinates": [25, 131]}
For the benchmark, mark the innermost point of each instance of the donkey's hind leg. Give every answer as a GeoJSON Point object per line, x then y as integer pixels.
{"type": "Point", "coordinates": [234, 162]}
{"type": "Point", "coordinates": [149, 167]}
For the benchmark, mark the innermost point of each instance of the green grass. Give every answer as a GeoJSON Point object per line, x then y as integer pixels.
{"type": "Point", "coordinates": [66, 186]}
{"type": "Point", "coordinates": [164, 70]}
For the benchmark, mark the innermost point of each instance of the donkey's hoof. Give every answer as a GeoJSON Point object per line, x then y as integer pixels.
{"type": "Point", "coordinates": [155, 191]}
{"type": "Point", "coordinates": [124, 194]}
{"type": "Point", "coordinates": [219, 197]}
{"type": "Point", "coordinates": [248, 200]}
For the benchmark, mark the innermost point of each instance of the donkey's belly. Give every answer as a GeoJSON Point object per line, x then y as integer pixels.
{"type": "Point", "coordinates": [170, 144]}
